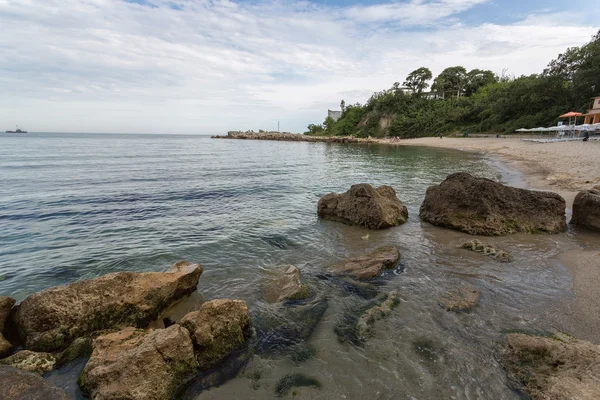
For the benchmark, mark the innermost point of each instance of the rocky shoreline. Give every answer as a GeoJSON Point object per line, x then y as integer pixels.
{"type": "Point", "coordinates": [290, 137]}
{"type": "Point", "coordinates": [105, 321]}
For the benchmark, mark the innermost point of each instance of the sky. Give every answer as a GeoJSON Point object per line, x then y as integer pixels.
{"type": "Point", "coordinates": [207, 67]}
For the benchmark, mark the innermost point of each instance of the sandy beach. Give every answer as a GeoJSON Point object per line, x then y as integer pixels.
{"type": "Point", "coordinates": [564, 168]}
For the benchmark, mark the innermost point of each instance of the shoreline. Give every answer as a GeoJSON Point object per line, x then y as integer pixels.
{"type": "Point", "coordinates": [583, 261]}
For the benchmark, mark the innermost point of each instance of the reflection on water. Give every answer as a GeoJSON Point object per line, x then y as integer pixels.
{"type": "Point", "coordinates": [78, 207]}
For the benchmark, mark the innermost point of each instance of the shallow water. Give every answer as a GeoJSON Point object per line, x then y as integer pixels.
{"type": "Point", "coordinates": [78, 206]}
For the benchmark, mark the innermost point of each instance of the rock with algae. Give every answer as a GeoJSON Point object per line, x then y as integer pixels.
{"type": "Point", "coordinates": [463, 298]}
{"type": "Point", "coordinates": [486, 249]}
{"type": "Point", "coordinates": [558, 367]}
{"type": "Point", "coordinates": [31, 361]}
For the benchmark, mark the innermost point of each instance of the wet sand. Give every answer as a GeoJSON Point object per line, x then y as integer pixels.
{"type": "Point", "coordinates": [564, 168]}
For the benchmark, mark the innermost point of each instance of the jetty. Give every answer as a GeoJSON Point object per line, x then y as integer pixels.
{"type": "Point", "coordinates": [289, 137]}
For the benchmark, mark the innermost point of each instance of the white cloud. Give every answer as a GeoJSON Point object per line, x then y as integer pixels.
{"type": "Point", "coordinates": [113, 66]}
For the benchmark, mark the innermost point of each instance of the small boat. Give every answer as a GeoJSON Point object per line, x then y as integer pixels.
{"type": "Point", "coordinates": [17, 131]}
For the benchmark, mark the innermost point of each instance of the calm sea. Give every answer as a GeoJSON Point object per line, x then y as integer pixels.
{"type": "Point", "coordinates": [75, 206]}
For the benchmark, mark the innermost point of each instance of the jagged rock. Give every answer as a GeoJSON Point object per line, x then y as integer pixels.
{"type": "Point", "coordinates": [365, 206]}
{"type": "Point", "coordinates": [138, 364]}
{"type": "Point", "coordinates": [356, 324]}
{"type": "Point", "coordinates": [219, 328]}
{"type": "Point", "coordinates": [480, 206]}
{"type": "Point", "coordinates": [369, 265]}
{"type": "Point", "coordinates": [464, 298]}
{"type": "Point", "coordinates": [6, 304]}
{"type": "Point", "coordinates": [586, 209]}
{"type": "Point", "coordinates": [557, 368]}
{"type": "Point", "coordinates": [285, 285]}
{"type": "Point", "coordinates": [31, 361]}
{"type": "Point", "coordinates": [20, 385]}
{"type": "Point", "coordinates": [50, 320]}
{"type": "Point", "coordinates": [487, 249]}
{"type": "Point", "coordinates": [365, 323]}
{"type": "Point", "coordinates": [279, 327]}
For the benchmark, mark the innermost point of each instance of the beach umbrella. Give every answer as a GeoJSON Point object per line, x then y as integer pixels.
{"type": "Point", "coordinates": [571, 114]}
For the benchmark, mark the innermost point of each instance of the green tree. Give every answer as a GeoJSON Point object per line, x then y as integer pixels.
{"type": "Point", "coordinates": [477, 78]}
{"type": "Point", "coordinates": [418, 80]}
{"type": "Point", "coordinates": [452, 79]}
{"type": "Point", "coordinates": [343, 106]}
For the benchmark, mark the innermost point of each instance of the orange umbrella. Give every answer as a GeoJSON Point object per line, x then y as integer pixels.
{"type": "Point", "coordinates": [571, 114]}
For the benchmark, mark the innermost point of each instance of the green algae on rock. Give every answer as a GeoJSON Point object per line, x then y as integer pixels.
{"type": "Point", "coordinates": [290, 381]}
{"type": "Point", "coordinates": [31, 361]}
{"type": "Point", "coordinates": [463, 298]}
{"type": "Point", "coordinates": [486, 249]}
{"type": "Point", "coordinates": [559, 367]}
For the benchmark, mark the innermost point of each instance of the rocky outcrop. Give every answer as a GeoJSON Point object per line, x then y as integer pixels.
{"type": "Point", "coordinates": [558, 367]}
{"type": "Point", "coordinates": [289, 137]}
{"type": "Point", "coordinates": [365, 206]}
{"type": "Point", "coordinates": [137, 364]}
{"type": "Point", "coordinates": [31, 361]}
{"type": "Point", "coordinates": [369, 265]}
{"type": "Point", "coordinates": [586, 209]}
{"type": "Point", "coordinates": [285, 285]}
{"type": "Point", "coordinates": [463, 298]}
{"type": "Point", "coordinates": [364, 326]}
{"type": "Point", "coordinates": [356, 324]}
{"type": "Point", "coordinates": [6, 304]}
{"type": "Point", "coordinates": [486, 249]}
{"type": "Point", "coordinates": [50, 320]}
{"type": "Point", "coordinates": [280, 327]}
{"type": "Point", "coordinates": [16, 384]}
{"type": "Point", "coordinates": [480, 206]}
{"type": "Point", "coordinates": [219, 328]}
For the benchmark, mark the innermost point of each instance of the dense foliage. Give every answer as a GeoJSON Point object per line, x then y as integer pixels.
{"type": "Point", "coordinates": [475, 101]}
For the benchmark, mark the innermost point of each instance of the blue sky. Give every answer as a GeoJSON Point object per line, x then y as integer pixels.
{"type": "Point", "coordinates": [199, 66]}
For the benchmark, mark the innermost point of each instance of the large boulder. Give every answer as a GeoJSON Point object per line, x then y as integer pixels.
{"type": "Point", "coordinates": [136, 364]}
{"type": "Point", "coordinates": [480, 206]}
{"type": "Point", "coordinates": [50, 320]}
{"type": "Point", "coordinates": [31, 361]}
{"type": "Point", "coordinates": [558, 367]}
{"type": "Point", "coordinates": [285, 285]}
{"type": "Point", "coordinates": [20, 385]}
{"type": "Point", "coordinates": [218, 329]}
{"type": "Point", "coordinates": [365, 206]}
{"type": "Point", "coordinates": [586, 209]}
{"type": "Point", "coordinates": [368, 265]}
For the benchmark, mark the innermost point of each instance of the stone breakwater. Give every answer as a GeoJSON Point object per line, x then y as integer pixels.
{"type": "Point", "coordinates": [290, 137]}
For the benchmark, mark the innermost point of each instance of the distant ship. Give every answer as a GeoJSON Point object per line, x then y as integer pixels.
{"type": "Point", "coordinates": [17, 131]}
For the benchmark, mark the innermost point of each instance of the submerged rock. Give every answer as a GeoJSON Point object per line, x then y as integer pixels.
{"type": "Point", "coordinates": [365, 206]}
{"type": "Point", "coordinates": [487, 249]}
{"type": "Point", "coordinates": [290, 381]}
{"type": "Point", "coordinates": [18, 384]}
{"type": "Point", "coordinates": [369, 265]}
{"type": "Point", "coordinates": [480, 206]}
{"type": "Point", "coordinates": [50, 320]}
{"type": "Point", "coordinates": [279, 327]}
{"type": "Point", "coordinates": [138, 364]}
{"type": "Point", "coordinates": [464, 298]}
{"type": "Point", "coordinates": [586, 209]}
{"type": "Point", "coordinates": [557, 368]}
{"type": "Point", "coordinates": [356, 324]}
{"type": "Point", "coordinates": [285, 285]}
{"type": "Point", "coordinates": [31, 361]}
{"type": "Point", "coordinates": [219, 328]}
